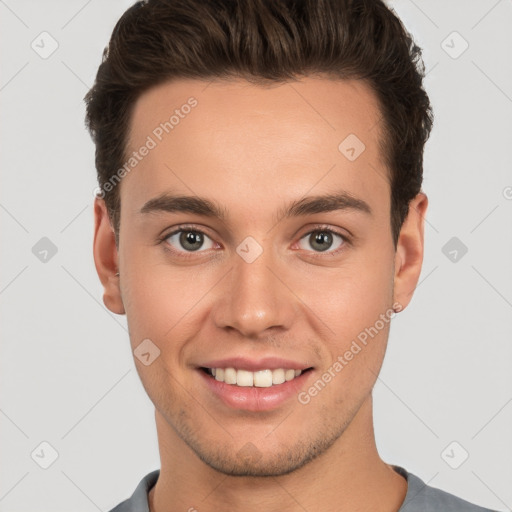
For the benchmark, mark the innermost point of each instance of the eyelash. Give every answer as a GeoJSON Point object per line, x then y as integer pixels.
{"type": "Point", "coordinates": [190, 254]}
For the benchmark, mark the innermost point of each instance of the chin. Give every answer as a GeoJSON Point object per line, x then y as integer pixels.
{"type": "Point", "coordinates": [260, 466]}
{"type": "Point", "coordinates": [250, 461]}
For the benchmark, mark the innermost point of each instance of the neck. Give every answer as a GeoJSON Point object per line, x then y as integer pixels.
{"type": "Point", "coordinates": [350, 475]}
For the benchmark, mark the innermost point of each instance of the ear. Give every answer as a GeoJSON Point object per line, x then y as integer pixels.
{"type": "Point", "coordinates": [409, 252]}
{"type": "Point", "coordinates": [106, 258]}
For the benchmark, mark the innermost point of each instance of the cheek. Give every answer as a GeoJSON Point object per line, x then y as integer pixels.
{"type": "Point", "coordinates": [352, 367]}
{"type": "Point", "coordinates": [162, 302]}
{"type": "Point", "coordinates": [349, 298]}
{"type": "Point", "coordinates": [354, 301]}
{"type": "Point", "coordinates": [153, 304]}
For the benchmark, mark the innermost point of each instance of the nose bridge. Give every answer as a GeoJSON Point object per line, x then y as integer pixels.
{"type": "Point", "coordinates": [254, 298]}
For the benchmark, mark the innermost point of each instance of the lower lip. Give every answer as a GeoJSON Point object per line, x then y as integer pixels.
{"type": "Point", "coordinates": [254, 398]}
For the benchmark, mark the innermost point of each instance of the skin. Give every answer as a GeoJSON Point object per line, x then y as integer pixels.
{"type": "Point", "coordinates": [254, 149]}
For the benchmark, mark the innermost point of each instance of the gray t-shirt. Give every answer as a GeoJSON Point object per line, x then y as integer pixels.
{"type": "Point", "coordinates": [419, 498]}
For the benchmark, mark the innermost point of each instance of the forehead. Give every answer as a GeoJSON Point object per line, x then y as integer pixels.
{"type": "Point", "coordinates": [244, 138]}
{"type": "Point", "coordinates": [324, 104]}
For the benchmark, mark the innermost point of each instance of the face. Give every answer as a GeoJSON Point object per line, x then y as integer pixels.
{"type": "Point", "coordinates": [230, 258]}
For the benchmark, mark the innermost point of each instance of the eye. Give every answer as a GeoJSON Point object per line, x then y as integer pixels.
{"type": "Point", "coordinates": [188, 240]}
{"type": "Point", "coordinates": [323, 240]}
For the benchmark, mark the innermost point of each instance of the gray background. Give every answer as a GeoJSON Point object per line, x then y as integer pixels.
{"type": "Point", "coordinates": [67, 374]}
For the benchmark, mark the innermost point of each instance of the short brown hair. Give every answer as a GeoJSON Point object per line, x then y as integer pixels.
{"type": "Point", "coordinates": [264, 41]}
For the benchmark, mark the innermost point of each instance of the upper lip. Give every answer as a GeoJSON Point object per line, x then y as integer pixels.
{"type": "Point", "coordinates": [253, 365]}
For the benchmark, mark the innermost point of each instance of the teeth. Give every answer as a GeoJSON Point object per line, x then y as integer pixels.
{"type": "Point", "coordinates": [278, 376]}
{"type": "Point", "coordinates": [244, 378]}
{"type": "Point", "coordinates": [259, 379]}
{"type": "Point", "coordinates": [263, 379]}
{"type": "Point", "coordinates": [229, 375]}
{"type": "Point", "coordinates": [289, 375]}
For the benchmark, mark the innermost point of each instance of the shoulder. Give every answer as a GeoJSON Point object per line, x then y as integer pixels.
{"type": "Point", "coordinates": [421, 497]}
{"type": "Point", "coordinates": [138, 501]}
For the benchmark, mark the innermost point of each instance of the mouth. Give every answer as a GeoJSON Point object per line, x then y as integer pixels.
{"type": "Point", "coordinates": [265, 378]}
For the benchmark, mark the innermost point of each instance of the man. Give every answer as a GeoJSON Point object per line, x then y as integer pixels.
{"type": "Point", "coordinates": [260, 221]}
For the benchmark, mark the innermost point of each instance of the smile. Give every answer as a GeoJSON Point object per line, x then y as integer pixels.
{"type": "Point", "coordinates": [261, 378]}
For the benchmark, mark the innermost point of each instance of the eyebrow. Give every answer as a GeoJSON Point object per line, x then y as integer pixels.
{"type": "Point", "coordinates": [310, 205]}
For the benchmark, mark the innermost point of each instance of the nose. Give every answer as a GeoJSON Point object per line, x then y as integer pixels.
{"type": "Point", "coordinates": [254, 298]}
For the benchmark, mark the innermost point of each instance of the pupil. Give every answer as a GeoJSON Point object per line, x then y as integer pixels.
{"type": "Point", "coordinates": [191, 237]}
{"type": "Point", "coordinates": [323, 238]}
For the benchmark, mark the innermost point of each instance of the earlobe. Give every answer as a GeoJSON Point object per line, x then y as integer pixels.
{"type": "Point", "coordinates": [106, 258]}
{"type": "Point", "coordinates": [409, 251]}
